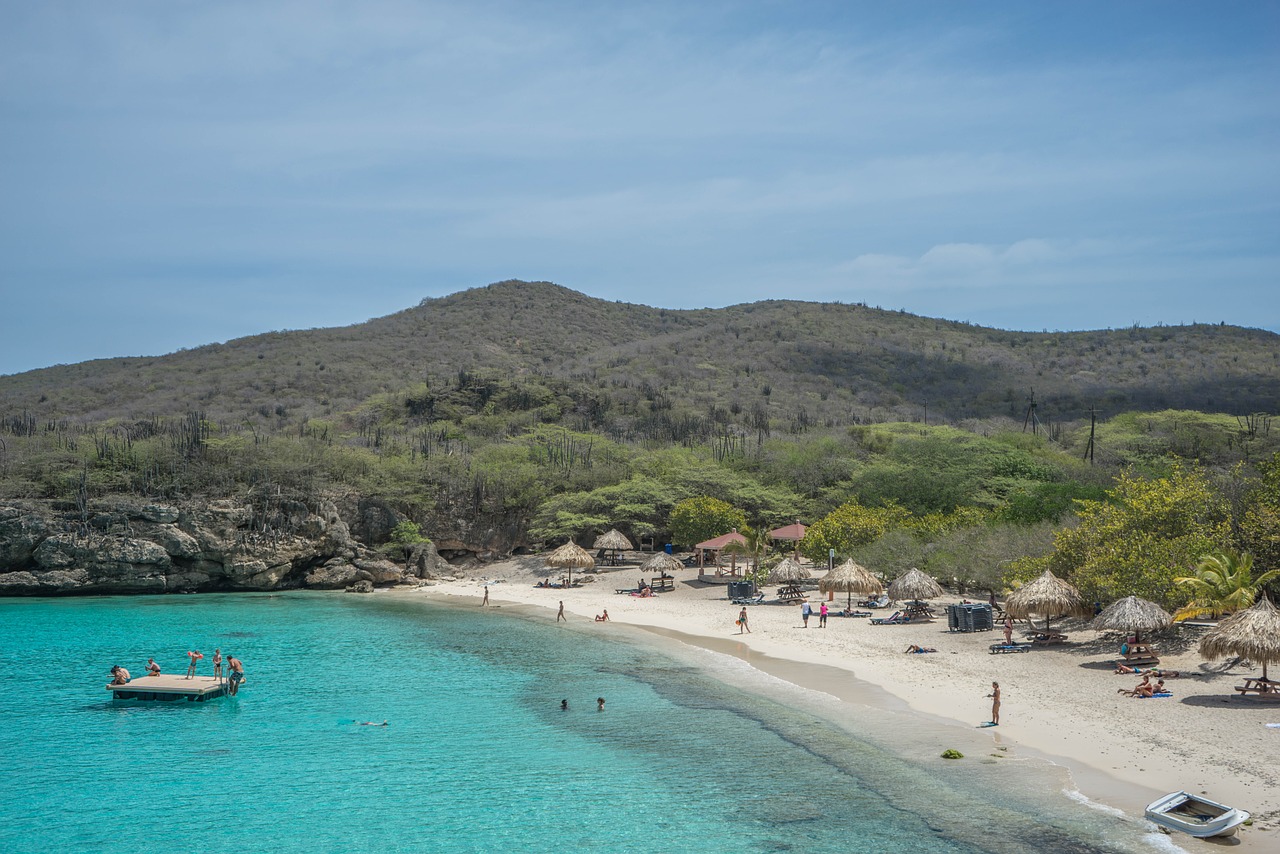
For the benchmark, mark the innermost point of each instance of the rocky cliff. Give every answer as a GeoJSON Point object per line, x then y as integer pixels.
{"type": "Point", "coordinates": [120, 546]}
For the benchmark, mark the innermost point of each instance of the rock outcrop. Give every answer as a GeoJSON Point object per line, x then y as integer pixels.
{"type": "Point", "coordinates": [197, 546]}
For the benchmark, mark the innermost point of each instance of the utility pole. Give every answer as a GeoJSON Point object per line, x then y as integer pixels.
{"type": "Point", "coordinates": [1093, 422]}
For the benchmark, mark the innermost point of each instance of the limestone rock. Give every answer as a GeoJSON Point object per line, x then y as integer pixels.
{"type": "Point", "coordinates": [159, 513]}
{"type": "Point", "coordinates": [175, 541]}
{"type": "Point", "coordinates": [332, 577]}
{"type": "Point", "coordinates": [380, 571]}
{"type": "Point", "coordinates": [20, 533]}
{"type": "Point", "coordinates": [361, 587]}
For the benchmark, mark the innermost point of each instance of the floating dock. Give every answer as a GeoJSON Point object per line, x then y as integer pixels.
{"type": "Point", "coordinates": [170, 687]}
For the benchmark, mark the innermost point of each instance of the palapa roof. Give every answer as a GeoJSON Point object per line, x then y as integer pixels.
{"type": "Point", "coordinates": [1253, 633]}
{"type": "Point", "coordinates": [613, 540]}
{"type": "Point", "coordinates": [570, 556]}
{"type": "Point", "coordinates": [849, 577]}
{"type": "Point", "coordinates": [1132, 614]}
{"type": "Point", "coordinates": [914, 584]}
{"type": "Point", "coordinates": [789, 532]}
{"type": "Point", "coordinates": [721, 541]}
{"type": "Point", "coordinates": [1047, 595]}
{"type": "Point", "coordinates": [788, 571]}
{"type": "Point", "coordinates": [661, 562]}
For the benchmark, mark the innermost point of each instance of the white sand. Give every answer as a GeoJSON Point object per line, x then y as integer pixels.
{"type": "Point", "coordinates": [1060, 703]}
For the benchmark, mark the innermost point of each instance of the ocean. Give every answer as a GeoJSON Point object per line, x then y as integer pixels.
{"type": "Point", "coordinates": [693, 752]}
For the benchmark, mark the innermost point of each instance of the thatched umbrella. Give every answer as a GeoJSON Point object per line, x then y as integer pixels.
{"type": "Point", "coordinates": [915, 585]}
{"type": "Point", "coordinates": [1253, 633]}
{"type": "Point", "coordinates": [851, 578]}
{"type": "Point", "coordinates": [570, 556]}
{"type": "Point", "coordinates": [788, 571]}
{"type": "Point", "coordinates": [613, 542]}
{"type": "Point", "coordinates": [661, 563]}
{"type": "Point", "coordinates": [1132, 614]}
{"type": "Point", "coordinates": [1048, 595]}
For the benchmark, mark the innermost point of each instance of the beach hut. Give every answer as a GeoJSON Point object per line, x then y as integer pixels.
{"type": "Point", "coordinates": [716, 545]}
{"type": "Point", "coordinates": [915, 586]}
{"type": "Point", "coordinates": [793, 534]}
{"type": "Point", "coordinates": [613, 542]}
{"type": "Point", "coordinates": [570, 556]}
{"type": "Point", "coordinates": [1253, 633]}
{"type": "Point", "coordinates": [1132, 614]}
{"type": "Point", "coordinates": [1048, 595]}
{"type": "Point", "coordinates": [851, 578]}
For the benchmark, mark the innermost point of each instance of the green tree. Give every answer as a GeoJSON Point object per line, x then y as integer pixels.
{"type": "Point", "coordinates": [404, 537]}
{"type": "Point", "coordinates": [848, 526]}
{"type": "Point", "coordinates": [755, 546]}
{"type": "Point", "coordinates": [1147, 533]}
{"type": "Point", "coordinates": [1223, 584]}
{"type": "Point", "coordinates": [694, 520]}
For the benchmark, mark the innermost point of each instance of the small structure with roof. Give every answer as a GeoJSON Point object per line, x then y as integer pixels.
{"type": "Point", "coordinates": [1050, 597]}
{"type": "Point", "coordinates": [792, 533]}
{"type": "Point", "coordinates": [1253, 633]}
{"type": "Point", "coordinates": [570, 556]}
{"type": "Point", "coordinates": [612, 542]}
{"type": "Point", "coordinates": [1135, 615]}
{"type": "Point", "coordinates": [914, 586]}
{"type": "Point", "coordinates": [713, 547]}
{"type": "Point", "coordinates": [851, 578]}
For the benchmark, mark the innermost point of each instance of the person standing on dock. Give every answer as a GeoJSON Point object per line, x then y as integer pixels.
{"type": "Point", "coordinates": [195, 655]}
{"type": "Point", "coordinates": [217, 663]}
{"type": "Point", "coordinates": [236, 675]}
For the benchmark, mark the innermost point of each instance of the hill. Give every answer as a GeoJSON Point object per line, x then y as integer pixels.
{"type": "Point", "coordinates": [631, 370]}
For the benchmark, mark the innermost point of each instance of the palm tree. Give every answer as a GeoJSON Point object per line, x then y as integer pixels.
{"type": "Point", "coordinates": [757, 545]}
{"type": "Point", "coordinates": [1223, 583]}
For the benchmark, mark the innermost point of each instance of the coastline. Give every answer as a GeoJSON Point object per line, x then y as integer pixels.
{"type": "Point", "coordinates": [1060, 707]}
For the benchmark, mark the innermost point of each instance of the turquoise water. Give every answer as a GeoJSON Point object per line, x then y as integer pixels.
{"type": "Point", "coordinates": [478, 755]}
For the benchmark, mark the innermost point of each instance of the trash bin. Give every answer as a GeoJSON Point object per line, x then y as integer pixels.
{"type": "Point", "coordinates": [667, 548]}
{"type": "Point", "coordinates": [741, 589]}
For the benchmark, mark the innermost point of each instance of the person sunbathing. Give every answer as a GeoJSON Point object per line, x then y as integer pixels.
{"type": "Point", "coordinates": [920, 649]}
{"type": "Point", "coordinates": [603, 618]}
{"type": "Point", "coordinates": [1142, 688]}
{"type": "Point", "coordinates": [1151, 671]}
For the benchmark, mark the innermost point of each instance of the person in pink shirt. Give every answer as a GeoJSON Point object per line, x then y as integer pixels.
{"type": "Point", "coordinates": [822, 616]}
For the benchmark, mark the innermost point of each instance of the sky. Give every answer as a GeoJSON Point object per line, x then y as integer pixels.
{"type": "Point", "coordinates": [176, 173]}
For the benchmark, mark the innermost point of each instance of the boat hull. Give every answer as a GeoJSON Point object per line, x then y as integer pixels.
{"type": "Point", "coordinates": [1195, 816]}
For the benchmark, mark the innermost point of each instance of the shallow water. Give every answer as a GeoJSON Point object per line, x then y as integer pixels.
{"type": "Point", "coordinates": [694, 752]}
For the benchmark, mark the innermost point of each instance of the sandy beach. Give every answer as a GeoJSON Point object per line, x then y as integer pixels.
{"type": "Point", "coordinates": [1059, 703]}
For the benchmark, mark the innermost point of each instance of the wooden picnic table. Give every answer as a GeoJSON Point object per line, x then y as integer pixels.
{"type": "Point", "coordinates": [663, 582]}
{"type": "Point", "coordinates": [1268, 688]}
{"type": "Point", "coordinates": [790, 593]}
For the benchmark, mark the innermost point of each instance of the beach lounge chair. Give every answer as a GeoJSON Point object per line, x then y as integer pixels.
{"type": "Point", "coordinates": [851, 614]}
{"type": "Point", "coordinates": [749, 600]}
{"type": "Point", "coordinates": [879, 602]}
{"type": "Point", "coordinates": [897, 618]}
{"type": "Point", "coordinates": [999, 648]}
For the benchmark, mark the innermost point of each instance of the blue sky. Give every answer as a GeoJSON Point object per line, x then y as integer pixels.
{"type": "Point", "coordinates": [176, 173]}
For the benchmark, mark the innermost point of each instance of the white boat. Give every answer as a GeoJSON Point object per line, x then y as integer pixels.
{"type": "Point", "coordinates": [1195, 815]}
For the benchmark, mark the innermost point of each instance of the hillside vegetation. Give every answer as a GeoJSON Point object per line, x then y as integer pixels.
{"type": "Point", "coordinates": [522, 413]}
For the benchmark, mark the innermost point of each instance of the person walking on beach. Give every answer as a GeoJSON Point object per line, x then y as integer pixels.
{"type": "Point", "coordinates": [995, 703]}
{"type": "Point", "coordinates": [742, 621]}
{"type": "Point", "coordinates": [217, 663]}
{"type": "Point", "coordinates": [805, 610]}
{"type": "Point", "coordinates": [486, 596]}
{"type": "Point", "coordinates": [822, 615]}
{"type": "Point", "coordinates": [236, 675]}
{"type": "Point", "coordinates": [560, 614]}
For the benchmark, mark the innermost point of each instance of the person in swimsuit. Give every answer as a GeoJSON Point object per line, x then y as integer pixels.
{"type": "Point", "coordinates": [119, 676]}
{"type": "Point", "coordinates": [236, 675]}
{"type": "Point", "coordinates": [603, 618]}
{"type": "Point", "coordinates": [195, 656]}
{"type": "Point", "coordinates": [920, 649]}
{"type": "Point", "coordinates": [217, 663]}
{"type": "Point", "coordinates": [153, 669]}
{"type": "Point", "coordinates": [599, 704]}
{"type": "Point", "coordinates": [742, 621]}
{"type": "Point", "coordinates": [1008, 632]}
{"type": "Point", "coordinates": [486, 596]}
{"type": "Point", "coordinates": [995, 703]}
{"type": "Point", "coordinates": [564, 705]}
{"type": "Point", "coordinates": [560, 614]}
